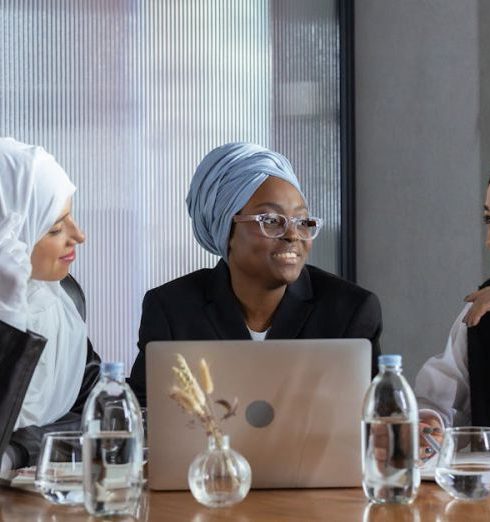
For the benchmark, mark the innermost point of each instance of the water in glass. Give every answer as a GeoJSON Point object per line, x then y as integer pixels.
{"type": "Point", "coordinates": [463, 466]}
{"type": "Point", "coordinates": [59, 473]}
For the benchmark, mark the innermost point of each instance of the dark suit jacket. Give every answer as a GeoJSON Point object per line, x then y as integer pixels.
{"type": "Point", "coordinates": [478, 366]}
{"type": "Point", "coordinates": [202, 306]}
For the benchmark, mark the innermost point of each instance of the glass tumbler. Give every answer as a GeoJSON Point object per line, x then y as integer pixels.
{"type": "Point", "coordinates": [59, 472]}
{"type": "Point", "coordinates": [463, 466]}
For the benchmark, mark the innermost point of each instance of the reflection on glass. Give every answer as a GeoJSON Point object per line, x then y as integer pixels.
{"type": "Point", "coordinates": [463, 467]}
{"type": "Point", "coordinates": [391, 513]}
{"type": "Point", "coordinates": [59, 474]}
{"type": "Point", "coordinates": [457, 510]}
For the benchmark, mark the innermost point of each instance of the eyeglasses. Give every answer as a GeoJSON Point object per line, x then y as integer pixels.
{"type": "Point", "coordinates": [276, 225]}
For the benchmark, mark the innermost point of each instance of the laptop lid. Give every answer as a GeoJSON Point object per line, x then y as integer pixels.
{"type": "Point", "coordinates": [299, 412]}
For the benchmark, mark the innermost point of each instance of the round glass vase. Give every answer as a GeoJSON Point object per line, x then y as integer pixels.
{"type": "Point", "coordinates": [219, 476]}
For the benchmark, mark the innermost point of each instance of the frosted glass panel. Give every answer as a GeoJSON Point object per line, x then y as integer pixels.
{"type": "Point", "coordinates": [130, 95]}
{"type": "Point", "coordinates": [305, 109]}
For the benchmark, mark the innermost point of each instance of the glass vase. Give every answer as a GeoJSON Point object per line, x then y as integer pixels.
{"type": "Point", "coordinates": [219, 476]}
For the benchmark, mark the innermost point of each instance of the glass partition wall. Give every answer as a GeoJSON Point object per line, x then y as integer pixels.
{"type": "Point", "coordinates": [129, 96]}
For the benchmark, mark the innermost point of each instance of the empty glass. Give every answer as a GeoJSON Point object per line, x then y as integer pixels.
{"type": "Point", "coordinates": [59, 473]}
{"type": "Point", "coordinates": [463, 466]}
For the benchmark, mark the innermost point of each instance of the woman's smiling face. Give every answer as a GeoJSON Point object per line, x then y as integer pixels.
{"type": "Point", "coordinates": [273, 262]}
{"type": "Point", "coordinates": [55, 251]}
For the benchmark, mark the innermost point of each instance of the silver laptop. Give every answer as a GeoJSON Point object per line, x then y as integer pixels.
{"type": "Point", "coordinates": [299, 412]}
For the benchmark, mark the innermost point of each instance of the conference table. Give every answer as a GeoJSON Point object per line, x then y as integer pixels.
{"type": "Point", "coordinates": [306, 505]}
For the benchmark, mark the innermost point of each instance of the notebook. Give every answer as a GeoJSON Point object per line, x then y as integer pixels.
{"type": "Point", "coordinates": [298, 421]}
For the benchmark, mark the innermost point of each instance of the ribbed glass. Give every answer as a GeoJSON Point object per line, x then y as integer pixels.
{"type": "Point", "coordinates": [129, 96]}
{"type": "Point", "coordinates": [305, 109]}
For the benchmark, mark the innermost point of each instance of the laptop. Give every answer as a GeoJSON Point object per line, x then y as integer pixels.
{"type": "Point", "coordinates": [298, 421]}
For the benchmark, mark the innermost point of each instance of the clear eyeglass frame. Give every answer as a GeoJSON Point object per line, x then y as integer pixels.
{"type": "Point", "coordinates": [274, 226]}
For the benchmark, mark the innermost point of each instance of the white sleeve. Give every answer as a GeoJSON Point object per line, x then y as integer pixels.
{"type": "Point", "coordinates": [443, 382]}
{"type": "Point", "coordinates": [16, 319]}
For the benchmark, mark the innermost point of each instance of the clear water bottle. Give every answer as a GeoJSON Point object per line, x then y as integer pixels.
{"type": "Point", "coordinates": [390, 443]}
{"type": "Point", "coordinates": [112, 446]}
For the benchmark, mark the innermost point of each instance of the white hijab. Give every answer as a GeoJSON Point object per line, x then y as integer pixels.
{"type": "Point", "coordinates": [33, 185]}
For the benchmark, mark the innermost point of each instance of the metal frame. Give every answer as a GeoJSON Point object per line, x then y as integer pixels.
{"type": "Point", "coordinates": [347, 141]}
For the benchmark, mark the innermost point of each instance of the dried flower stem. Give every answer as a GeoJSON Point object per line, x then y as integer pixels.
{"type": "Point", "coordinates": [187, 392]}
{"type": "Point", "coordinates": [206, 380]}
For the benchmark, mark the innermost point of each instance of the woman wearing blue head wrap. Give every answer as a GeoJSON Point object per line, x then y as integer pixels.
{"type": "Point", "coordinates": [224, 182]}
{"type": "Point", "coordinates": [246, 205]}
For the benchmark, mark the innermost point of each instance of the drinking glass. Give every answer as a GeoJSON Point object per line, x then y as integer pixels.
{"type": "Point", "coordinates": [463, 466]}
{"type": "Point", "coordinates": [59, 473]}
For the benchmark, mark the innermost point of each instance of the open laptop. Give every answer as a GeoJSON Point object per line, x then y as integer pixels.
{"type": "Point", "coordinates": [299, 412]}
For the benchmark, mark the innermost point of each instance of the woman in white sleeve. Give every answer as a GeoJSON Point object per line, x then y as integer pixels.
{"type": "Point", "coordinates": [453, 388]}
{"type": "Point", "coordinates": [47, 365]}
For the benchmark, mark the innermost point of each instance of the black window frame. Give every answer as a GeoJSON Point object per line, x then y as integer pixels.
{"type": "Point", "coordinates": [348, 268]}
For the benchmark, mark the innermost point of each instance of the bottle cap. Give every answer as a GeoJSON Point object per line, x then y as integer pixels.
{"type": "Point", "coordinates": [114, 370]}
{"type": "Point", "coordinates": [390, 360]}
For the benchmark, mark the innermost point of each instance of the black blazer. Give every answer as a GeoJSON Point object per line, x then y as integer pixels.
{"type": "Point", "coordinates": [202, 306]}
{"type": "Point", "coordinates": [478, 365]}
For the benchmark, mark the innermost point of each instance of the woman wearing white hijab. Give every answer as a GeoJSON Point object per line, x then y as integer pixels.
{"type": "Point", "coordinates": [47, 367]}
{"type": "Point", "coordinates": [246, 206]}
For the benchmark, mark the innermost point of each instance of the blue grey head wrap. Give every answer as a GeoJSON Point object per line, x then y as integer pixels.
{"type": "Point", "coordinates": [223, 183]}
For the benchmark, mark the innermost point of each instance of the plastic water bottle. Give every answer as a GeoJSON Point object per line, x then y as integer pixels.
{"type": "Point", "coordinates": [112, 446]}
{"type": "Point", "coordinates": [390, 444]}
